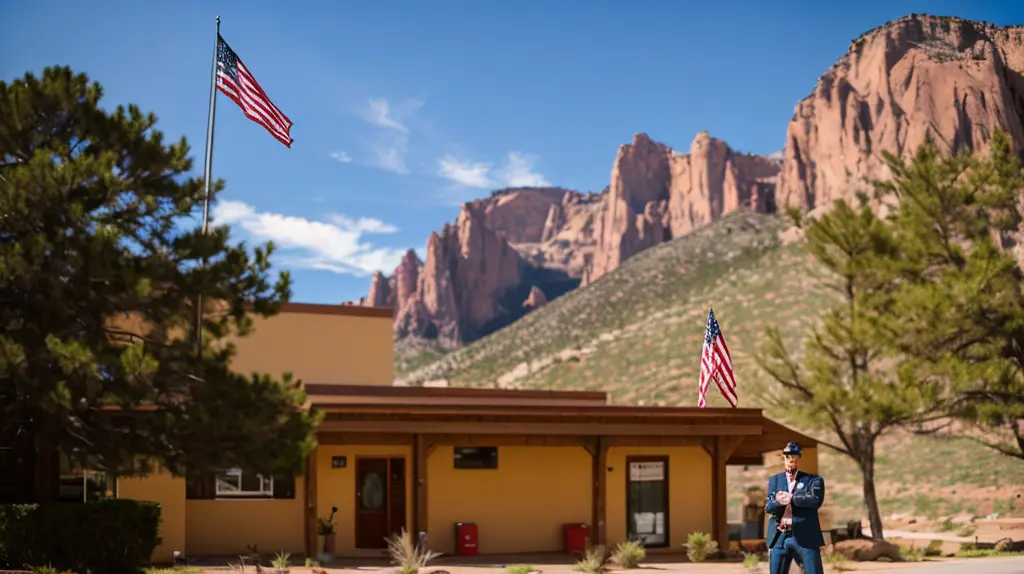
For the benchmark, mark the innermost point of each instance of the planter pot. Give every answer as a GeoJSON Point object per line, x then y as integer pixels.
{"type": "Point", "coordinates": [326, 553]}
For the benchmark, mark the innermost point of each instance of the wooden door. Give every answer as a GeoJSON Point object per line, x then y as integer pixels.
{"type": "Point", "coordinates": [380, 500]}
{"type": "Point", "coordinates": [372, 502]}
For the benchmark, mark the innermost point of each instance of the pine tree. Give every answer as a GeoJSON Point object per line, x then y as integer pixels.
{"type": "Point", "coordinates": [848, 383]}
{"type": "Point", "coordinates": [959, 312]}
{"type": "Point", "coordinates": [101, 266]}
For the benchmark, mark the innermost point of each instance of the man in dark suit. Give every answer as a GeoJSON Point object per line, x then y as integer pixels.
{"type": "Point", "coordinates": [794, 498]}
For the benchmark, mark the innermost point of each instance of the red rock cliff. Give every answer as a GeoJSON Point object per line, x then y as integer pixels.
{"type": "Point", "coordinates": [657, 194]}
{"type": "Point", "coordinates": [954, 79]}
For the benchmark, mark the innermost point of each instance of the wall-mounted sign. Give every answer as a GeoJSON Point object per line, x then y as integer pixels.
{"type": "Point", "coordinates": [646, 471]}
{"type": "Point", "coordinates": [339, 461]}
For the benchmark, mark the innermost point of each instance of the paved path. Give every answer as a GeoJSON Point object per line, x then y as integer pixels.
{"type": "Point", "coordinates": [1012, 565]}
{"type": "Point", "coordinates": [944, 536]}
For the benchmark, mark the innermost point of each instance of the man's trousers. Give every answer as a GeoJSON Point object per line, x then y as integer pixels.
{"type": "Point", "coordinates": [786, 549]}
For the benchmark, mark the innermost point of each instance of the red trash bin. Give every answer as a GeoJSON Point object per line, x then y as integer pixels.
{"type": "Point", "coordinates": [576, 536]}
{"type": "Point", "coordinates": [466, 539]}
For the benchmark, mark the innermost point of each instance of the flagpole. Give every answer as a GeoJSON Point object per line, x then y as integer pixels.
{"type": "Point", "coordinates": [207, 175]}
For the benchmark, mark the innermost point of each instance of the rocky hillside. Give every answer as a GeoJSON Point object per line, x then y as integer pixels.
{"type": "Point", "coordinates": [952, 79]}
{"type": "Point", "coordinates": [540, 243]}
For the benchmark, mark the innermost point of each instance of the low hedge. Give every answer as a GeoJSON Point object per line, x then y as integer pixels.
{"type": "Point", "coordinates": [112, 536]}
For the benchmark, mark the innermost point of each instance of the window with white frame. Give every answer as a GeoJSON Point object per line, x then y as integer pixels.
{"type": "Point", "coordinates": [234, 482]}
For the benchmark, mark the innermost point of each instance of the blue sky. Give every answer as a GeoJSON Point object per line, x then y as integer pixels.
{"type": "Point", "coordinates": [404, 109]}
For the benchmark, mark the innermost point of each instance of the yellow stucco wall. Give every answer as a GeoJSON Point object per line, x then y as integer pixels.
{"type": "Point", "coordinates": [519, 507]}
{"type": "Point", "coordinates": [169, 492]}
{"type": "Point", "coordinates": [689, 492]}
{"type": "Point", "coordinates": [227, 527]}
{"type": "Point", "coordinates": [337, 487]}
{"type": "Point", "coordinates": [319, 348]}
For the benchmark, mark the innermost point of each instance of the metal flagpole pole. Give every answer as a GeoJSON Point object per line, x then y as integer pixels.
{"type": "Point", "coordinates": [207, 174]}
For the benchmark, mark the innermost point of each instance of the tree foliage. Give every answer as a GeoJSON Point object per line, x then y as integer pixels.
{"type": "Point", "coordinates": [928, 321]}
{"type": "Point", "coordinates": [101, 266]}
{"type": "Point", "coordinates": [848, 382]}
{"type": "Point", "coordinates": [958, 314]}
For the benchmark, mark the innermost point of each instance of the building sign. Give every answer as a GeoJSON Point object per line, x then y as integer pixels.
{"type": "Point", "coordinates": [647, 471]}
{"type": "Point", "coordinates": [339, 461]}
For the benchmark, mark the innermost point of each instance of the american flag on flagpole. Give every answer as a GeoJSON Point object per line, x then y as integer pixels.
{"type": "Point", "coordinates": [716, 364]}
{"type": "Point", "coordinates": [236, 82]}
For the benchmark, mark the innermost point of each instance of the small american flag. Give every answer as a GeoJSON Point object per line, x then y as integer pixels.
{"type": "Point", "coordinates": [716, 363]}
{"type": "Point", "coordinates": [236, 82]}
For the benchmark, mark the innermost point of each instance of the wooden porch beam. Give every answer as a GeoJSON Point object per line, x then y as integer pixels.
{"type": "Point", "coordinates": [722, 448]}
{"type": "Point", "coordinates": [599, 473]}
{"type": "Point", "coordinates": [535, 428]}
{"type": "Point", "coordinates": [421, 452]}
{"type": "Point", "coordinates": [312, 524]}
{"type": "Point", "coordinates": [359, 438]}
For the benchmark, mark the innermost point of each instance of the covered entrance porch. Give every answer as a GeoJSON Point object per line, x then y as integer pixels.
{"type": "Point", "coordinates": [520, 465]}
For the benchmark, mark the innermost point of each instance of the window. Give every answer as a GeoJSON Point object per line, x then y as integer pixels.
{"type": "Point", "coordinates": [236, 483]}
{"type": "Point", "coordinates": [476, 457]}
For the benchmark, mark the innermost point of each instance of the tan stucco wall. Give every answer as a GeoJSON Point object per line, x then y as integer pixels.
{"type": "Point", "coordinates": [320, 348]}
{"type": "Point", "coordinates": [519, 507]}
{"type": "Point", "coordinates": [169, 492]}
{"type": "Point", "coordinates": [228, 527]}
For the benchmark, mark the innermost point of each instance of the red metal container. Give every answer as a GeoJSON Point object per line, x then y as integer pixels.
{"type": "Point", "coordinates": [466, 535]}
{"type": "Point", "coordinates": [576, 536]}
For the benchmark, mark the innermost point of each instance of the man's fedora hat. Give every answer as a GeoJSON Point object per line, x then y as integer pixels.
{"type": "Point", "coordinates": [792, 448]}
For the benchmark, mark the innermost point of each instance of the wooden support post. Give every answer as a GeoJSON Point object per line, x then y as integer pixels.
{"type": "Point", "coordinates": [598, 528]}
{"type": "Point", "coordinates": [421, 452]}
{"type": "Point", "coordinates": [722, 448]}
{"type": "Point", "coordinates": [312, 522]}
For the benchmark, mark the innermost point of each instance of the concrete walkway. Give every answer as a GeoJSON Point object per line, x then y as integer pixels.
{"type": "Point", "coordinates": [1012, 565]}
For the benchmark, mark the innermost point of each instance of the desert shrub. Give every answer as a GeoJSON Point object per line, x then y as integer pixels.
{"type": "Point", "coordinates": [699, 546]}
{"type": "Point", "coordinates": [966, 530]}
{"type": "Point", "coordinates": [407, 556]}
{"type": "Point", "coordinates": [835, 562]}
{"type": "Point", "coordinates": [911, 553]}
{"type": "Point", "coordinates": [519, 569]}
{"type": "Point", "coordinates": [630, 554]}
{"type": "Point", "coordinates": [752, 562]}
{"type": "Point", "coordinates": [110, 536]}
{"type": "Point", "coordinates": [1003, 545]}
{"type": "Point", "coordinates": [947, 525]}
{"type": "Point", "coordinates": [281, 560]}
{"type": "Point", "coordinates": [934, 548]}
{"type": "Point", "coordinates": [595, 561]}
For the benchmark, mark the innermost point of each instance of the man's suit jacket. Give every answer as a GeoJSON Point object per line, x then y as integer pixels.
{"type": "Point", "coordinates": [808, 495]}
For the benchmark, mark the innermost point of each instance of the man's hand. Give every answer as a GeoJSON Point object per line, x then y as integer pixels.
{"type": "Point", "coordinates": [783, 497]}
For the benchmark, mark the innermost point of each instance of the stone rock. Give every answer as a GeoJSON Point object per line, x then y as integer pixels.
{"type": "Point", "coordinates": [954, 79]}
{"type": "Point", "coordinates": [535, 299]}
{"type": "Point", "coordinates": [866, 550]}
{"type": "Point", "coordinates": [380, 294]}
{"type": "Point", "coordinates": [1003, 544]}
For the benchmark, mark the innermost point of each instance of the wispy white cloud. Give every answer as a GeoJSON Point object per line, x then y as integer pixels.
{"type": "Point", "coordinates": [517, 171]}
{"type": "Point", "coordinates": [341, 156]}
{"type": "Point", "coordinates": [388, 153]}
{"type": "Point", "coordinates": [380, 112]}
{"type": "Point", "coordinates": [336, 244]}
{"type": "Point", "coordinates": [389, 147]}
{"type": "Point", "coordinates": [465, 173]}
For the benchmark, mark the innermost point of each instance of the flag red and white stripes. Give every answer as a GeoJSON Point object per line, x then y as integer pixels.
{"type": "Point", "coordinates": [236, 82]}
{"type": "Point", "coordinates": [716, 364]}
